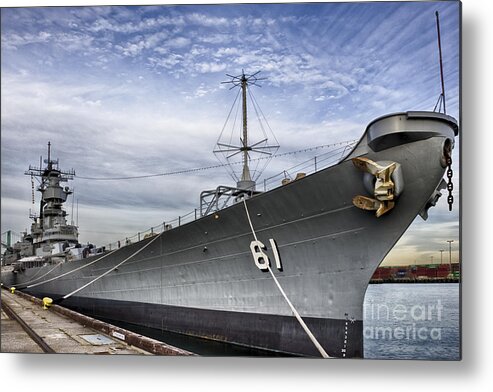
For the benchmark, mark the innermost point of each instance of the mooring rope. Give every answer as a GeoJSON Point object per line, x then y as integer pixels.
{"type": "Point", "coordinates": [111, 269]}
{"type": "Point", "coordinates": [71, 271]}
{"type": "Point", "coordinates": [37, 273]}
{"type": "Point", "coordinates": [33, 279]}
{"type": "Point", "coordinates": [293, 309]}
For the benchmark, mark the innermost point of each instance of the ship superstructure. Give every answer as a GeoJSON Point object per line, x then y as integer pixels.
{"type": "Point", "coordinates": [50, 235]}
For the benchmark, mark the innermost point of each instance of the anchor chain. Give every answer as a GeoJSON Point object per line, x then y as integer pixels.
{"type": "Point", "coordinates": [450, 184]}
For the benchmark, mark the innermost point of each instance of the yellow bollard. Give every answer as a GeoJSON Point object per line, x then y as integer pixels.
{"type": "Point", "coordinates": [47, 302]}
{"type": "Point", "coordinates": [12, 290]}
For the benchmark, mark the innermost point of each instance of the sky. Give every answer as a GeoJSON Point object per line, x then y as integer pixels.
{"type": "Point", "coordinates": [133, 90]}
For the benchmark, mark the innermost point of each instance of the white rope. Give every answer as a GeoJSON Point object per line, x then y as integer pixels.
{"type": "Point", "coordinates": [111, 269]}
{"type": "Point", "coordinates": [37, 273]}
{"type": "Point", "coordinates": [293, 309]}
{"type": "Point", "coordinates": [39, 277]}
{"type": "Point", "coordinates": [71, 271]}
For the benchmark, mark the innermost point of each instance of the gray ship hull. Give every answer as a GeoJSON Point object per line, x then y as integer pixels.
{"type": "Point", "coordinates": [201, 279]}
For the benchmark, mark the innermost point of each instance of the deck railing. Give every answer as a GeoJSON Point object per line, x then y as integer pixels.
{"type": "Point", "coordinates": [306, 167]}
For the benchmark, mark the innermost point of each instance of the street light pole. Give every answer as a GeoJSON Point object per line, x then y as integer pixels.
{"type": "Point", "coordinates": [450, 254]}
{"type": "Point", "coordinates": [441, 256]}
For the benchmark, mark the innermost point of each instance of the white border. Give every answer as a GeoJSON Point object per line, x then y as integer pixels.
{"type": "Point", "coordinates": [72, 372]}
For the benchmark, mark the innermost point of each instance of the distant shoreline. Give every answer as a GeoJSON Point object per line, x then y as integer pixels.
{"type": "Point", "coordinates": [429, 280]}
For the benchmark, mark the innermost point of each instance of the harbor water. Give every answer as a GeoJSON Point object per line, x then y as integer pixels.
{"type": "Point", "coordinates": [412, 321]}
{"type": "Point", "coordinates": [401, 321]}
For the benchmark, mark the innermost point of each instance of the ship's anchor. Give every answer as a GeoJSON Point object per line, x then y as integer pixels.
{"type": "Point", "coordinates": [385, 188]}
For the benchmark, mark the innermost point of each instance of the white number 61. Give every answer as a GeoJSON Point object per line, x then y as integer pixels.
{"type": "Point", "coordinates": [259, 256]}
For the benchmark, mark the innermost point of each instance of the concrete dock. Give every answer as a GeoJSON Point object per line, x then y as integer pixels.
{"type": "Point", "coordinates": [65, 331]}
{"type": "Point", "coordinates": [14, 339]}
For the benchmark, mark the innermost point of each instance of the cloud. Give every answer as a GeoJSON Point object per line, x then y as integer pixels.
{"type": "Point", "coordinates": [227, 52]}
{"type": "Point", "coordinates": [64, 40]}
{"type": "Point", "coordinates": [107, 23]}
{"type": "Point", "coordinates": [215, 39]}
{"type": "Point", "coordinates": [168, 62]}
{"type": "Point", "coordinates": [207, 20]}
{"type": "Point", "coordinates": [333, 90]}
{"type": "Point", "coordinates": [178, 42]}
{"type": "Point", "coordinates": [210, 67]}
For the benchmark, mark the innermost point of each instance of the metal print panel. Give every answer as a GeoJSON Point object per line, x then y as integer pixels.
{"type": "Point", "coordinates": [210, 180]}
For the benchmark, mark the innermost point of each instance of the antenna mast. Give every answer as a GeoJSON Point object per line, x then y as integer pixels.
{"type": "Point", "coordinates": [72, 214]}
{"type": "Point", "coordinates": [245, 181]}
{"type": "Point", "coordinates": [441, 98]}
{"type": "Point", "coordinates": [246, 170]}
{"type": "Point", "coordinates": [49, 155]}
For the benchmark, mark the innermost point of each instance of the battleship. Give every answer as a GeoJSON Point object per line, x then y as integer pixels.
{"type": "Point", "coordinates": [283, 270]}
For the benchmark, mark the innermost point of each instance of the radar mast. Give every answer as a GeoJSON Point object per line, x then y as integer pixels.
{"type": "Point", "coordinates": [226, 149]}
